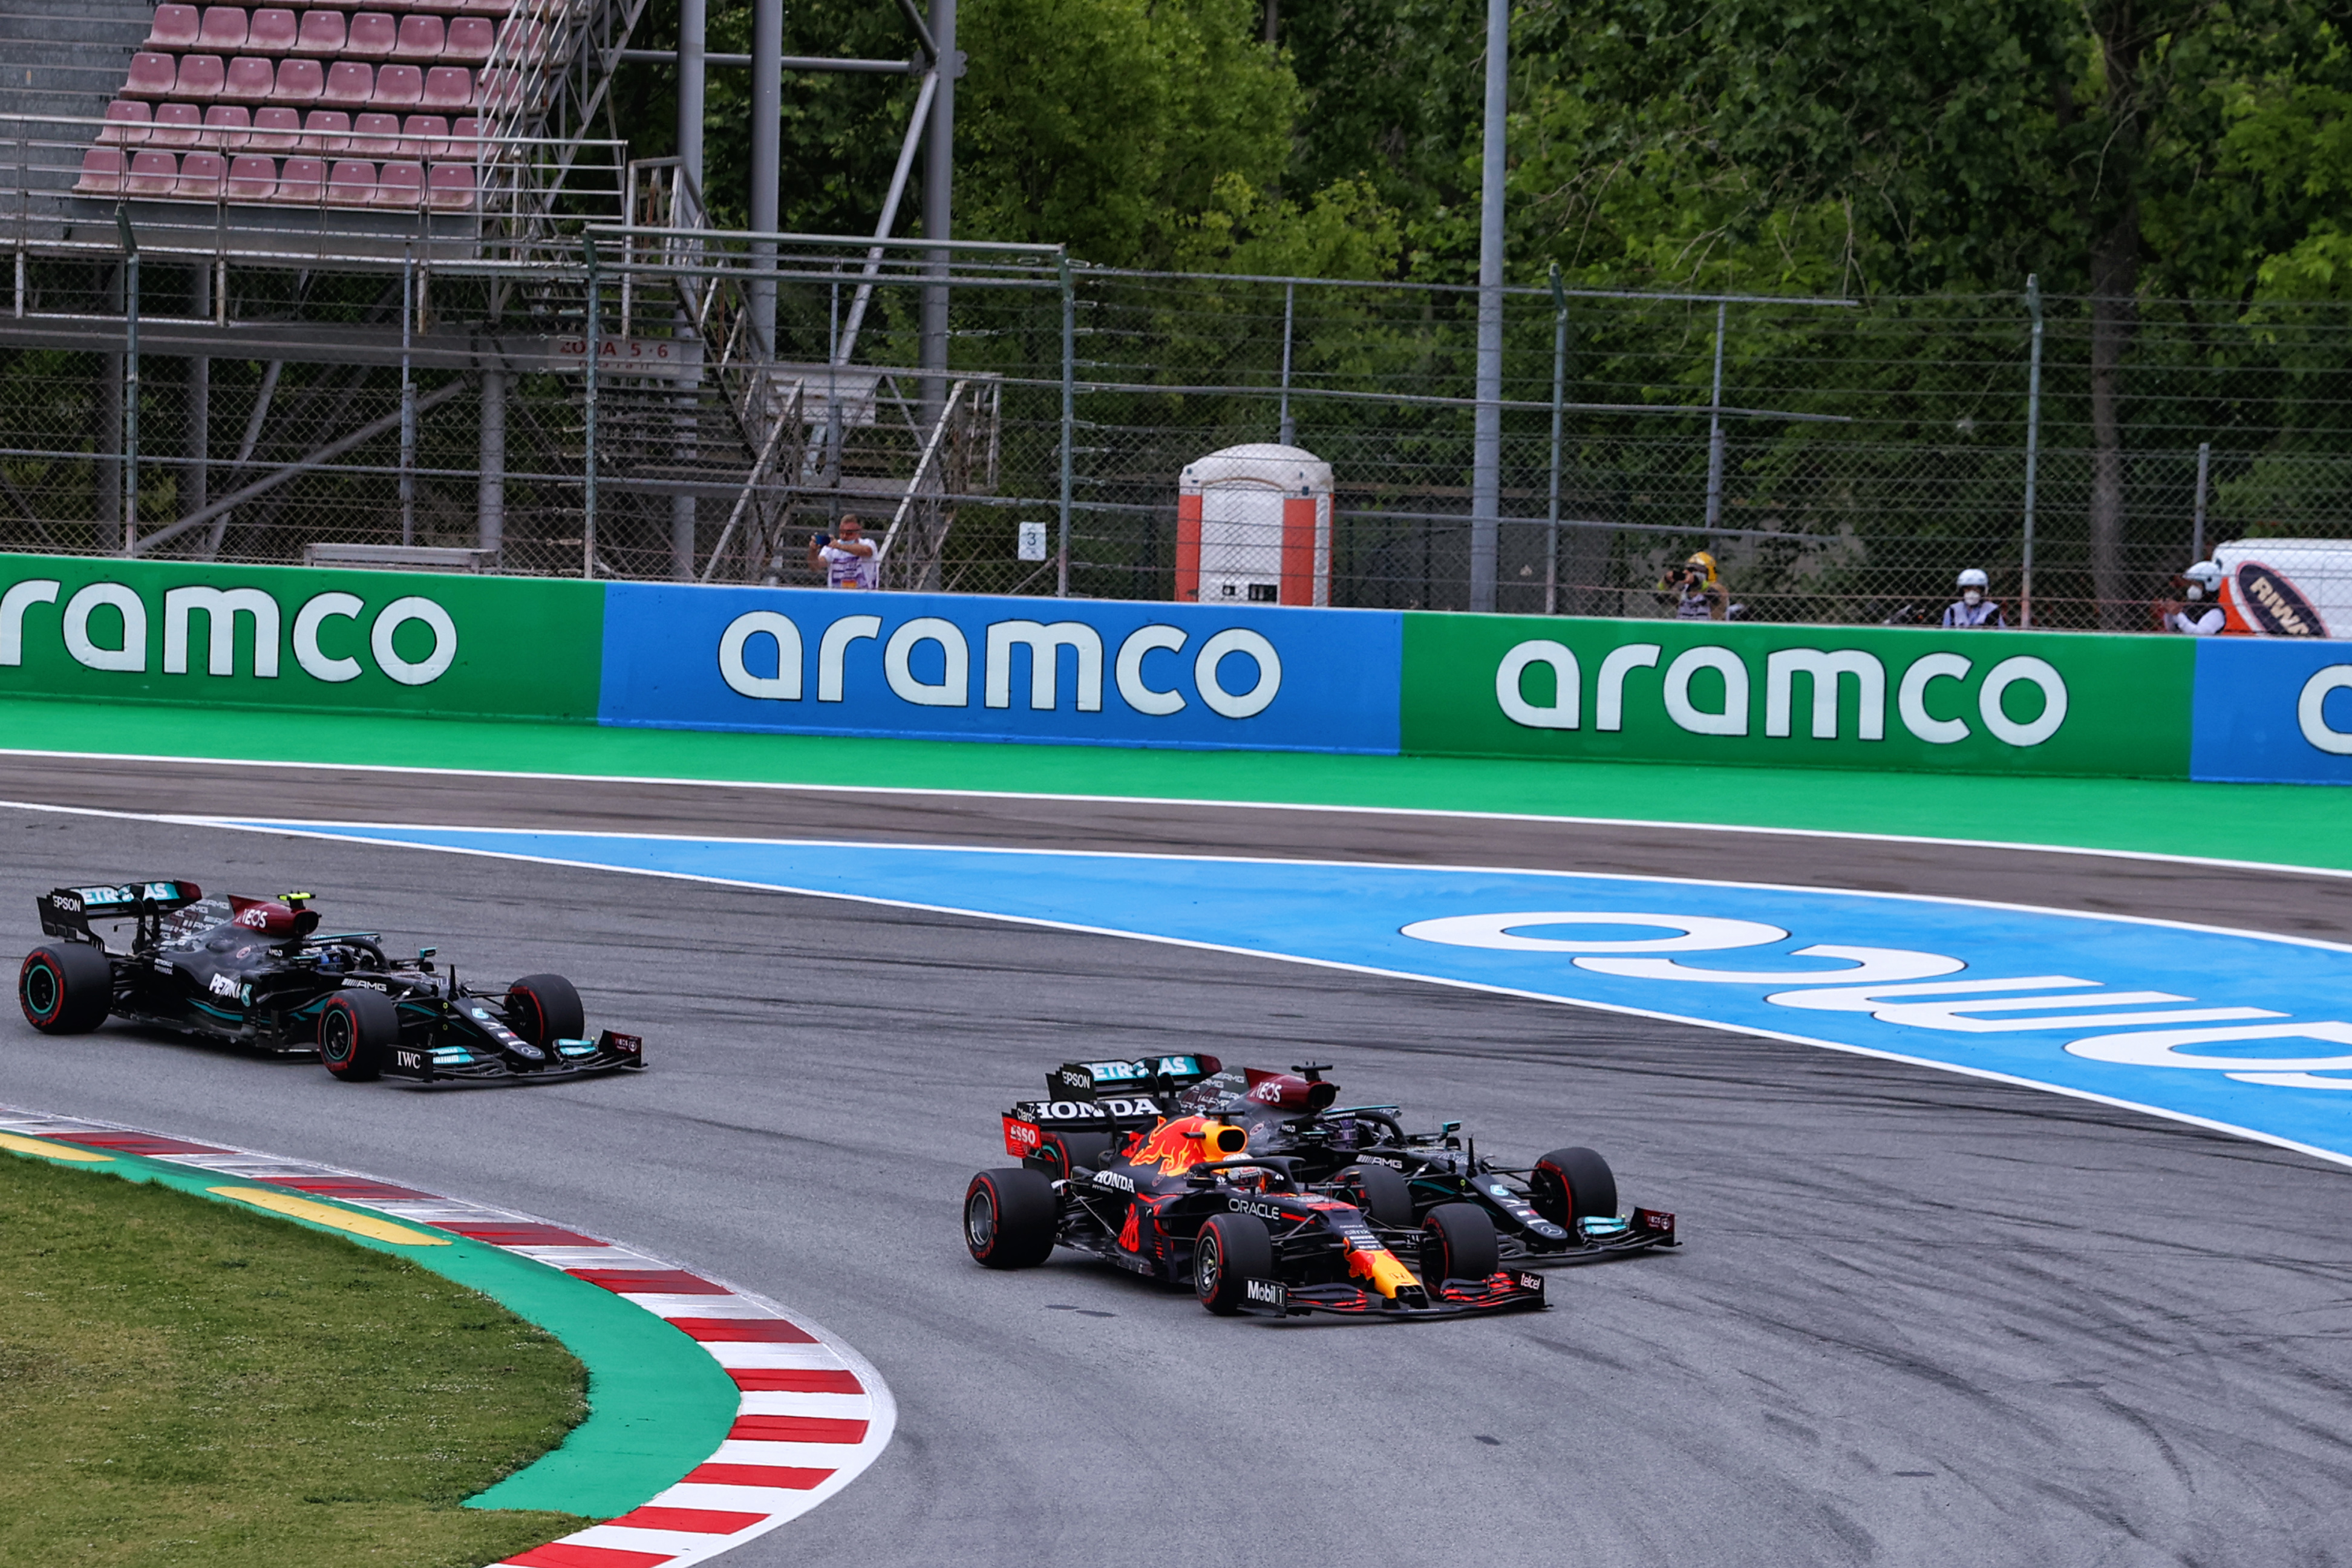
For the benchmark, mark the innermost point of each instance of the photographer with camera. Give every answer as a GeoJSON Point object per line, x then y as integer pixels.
{"type": "Point", "coordinates": [847, 559]}
{"type": "Point", "coordinates": [1698, 593]}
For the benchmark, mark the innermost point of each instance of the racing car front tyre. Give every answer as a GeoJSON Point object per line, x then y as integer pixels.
{"type": "Point", "coordinates": [1011, 1218]}
{"type": "Point", "coordinates": [1232, 1249]}
{"type": "Point", "coordinates": [1388, 1197]}
{"type": "Point", "coordinates": [66, 989]}
{"type": "Point", "coordinates": [1457, 1242]}
{"type": "Point", "coordinates": [1572, 1183]}
{"type": "Point", "coordinates": [356, 1028]}
{"type": "Point", "coordinates": [545, 1008]}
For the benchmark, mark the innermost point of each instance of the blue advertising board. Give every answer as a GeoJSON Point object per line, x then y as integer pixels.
{"type": "Point", "coordinates": [2272, 709]}
{"type": "Point", "coordinates": [961, 667]}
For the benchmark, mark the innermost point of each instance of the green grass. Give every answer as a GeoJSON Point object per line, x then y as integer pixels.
{"type": "Point", "coordinates": [186, 1384]}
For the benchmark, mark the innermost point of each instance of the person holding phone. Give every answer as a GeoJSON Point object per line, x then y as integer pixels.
{"type": "Point", "coordinates": [847, 557]}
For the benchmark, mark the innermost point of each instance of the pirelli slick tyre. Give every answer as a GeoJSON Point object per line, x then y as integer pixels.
{"type": "Point", "coordinates": [1387, 1196]}
{"type": "Point", "coordinates": [1572, 1185]}
{"type": "Point", "coordinates": [1232, 1249]}
{"type": "Point", "coordinates": [1011, 1218]}
{"type": "Point", "coordinates": [543, 1009]}
{"type": "Point", "coordinates": [357, 1029]}
{"type": "Point", "coordinates": [1457, 1242]}
{"type": "Point", "coordinates": [66, 988]}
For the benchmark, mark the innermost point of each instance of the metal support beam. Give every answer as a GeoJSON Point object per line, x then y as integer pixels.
{"type": "Point", "coordinates": [938, 215]}
{"type": "Point", "coordinates": [693, 29]}
{"type": "Point", "coordinates": [1487, 436]}
{"type": "Point", "coordinates": [1715, 430]}
{"type": "Point", "coordinates": [130, 385]}
{"type": "Point", "coordinates": [200, 401]}
{"type": "Point", "coordinates": [786, 62]}
{"type": "Point", "coordinates": [1559, 397]}
{"type": "Point", "coordinates": [693, 20]}
{"type": "Point", "coordinates": [408, 399]}
{"type": "Point", "coordinates": [767, 159]}
{"type": "Point", "coordinates": [491, 498]}
{"type": "Point", "coordinates": [588, 473]}
{"type": "Point", "coordinates": [846, 342]}
{"type": "Point", "coordinates": [2197, 525]}
{"type": "Point", "coordinates": [1069, 420]}
{"type": "Point", "coordinates": [2032, 451]}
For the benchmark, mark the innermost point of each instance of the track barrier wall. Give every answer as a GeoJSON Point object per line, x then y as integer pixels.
{"type": "Point", "coordinates": [1137, 673]}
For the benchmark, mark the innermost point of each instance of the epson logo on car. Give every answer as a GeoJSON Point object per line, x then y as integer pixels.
{"type": "Point", "coordinates": [1263, 1210]}
{"type": "Point", "coordinates": [1266, 1292]}
{"type": "Point", "coordinates": [67, 904]}
{"type": "Point", "coordinates": [1113, 1179]}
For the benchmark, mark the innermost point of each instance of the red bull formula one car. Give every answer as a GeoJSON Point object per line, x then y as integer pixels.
{"type": "Point", "coordinates": [259, 973]}
{"type": "Point", "coordinates": [1268, 1197]}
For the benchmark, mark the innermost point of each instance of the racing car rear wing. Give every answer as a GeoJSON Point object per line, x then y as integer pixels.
{"type": "Point", "coordinates": [67, 911]}
{"type": "Point", "coordinates": [1164, 1075]}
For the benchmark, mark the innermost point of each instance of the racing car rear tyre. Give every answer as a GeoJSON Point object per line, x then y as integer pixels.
{"type": "Point", "coordinates": [1011, 1218]}
{"type": "Point", "coordinates": [1570, 1183]}
{"type": "Point", "coordinates": [1457, 1242]}
{"type": "Point", "coordinates": [66, 989]}
{"type": "Point", "coordinates": [1388, 1197]}
{"type": "Point", "coordinates": [356, 1029]}
{"type": "Point", "coordinates": [1232, 1249]}
{"type": "Point", "coordinates": [544, 1008]}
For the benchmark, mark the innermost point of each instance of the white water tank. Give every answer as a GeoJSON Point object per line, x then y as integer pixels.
{"type": "Point", "coordinates": [1254, 526]}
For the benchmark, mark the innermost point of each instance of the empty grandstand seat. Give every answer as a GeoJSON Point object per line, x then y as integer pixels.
{"type": "Point", "coordinates": [352, 185]}
{"type": "Point", "coordinates": [466, 137]}
{"type": "Point", "coordinates": [420, 39]}
{"type": "Point", "coordinates": [252, 178]}
{"type": "Point", "coordinates": [400, 185]}
{"type": "Point", "coordinates": [321, 33]}
{"type": "Point", "coordinates": [469, 40]}
{"type": "Point", "coordinates": [492, 8]}
{"type": "Point", "coordinates": [202, 176]}
{"type": "Point", "coordinates": [200, 78]}
{"type": "Point", "coordinates": [251, 79]}
{"type": "Point", "coordinates": [174, 27]}
{"type": "Point", "coordinates": [327, 130]}
{"type": "Point", "coordinates": [276, 129]}
{"type": "Point", "coordinates": [126, 123]}
{"type": "Point", "coordinates": [439, 7]}
{"type": "Point", "coordinates": [226, 126]}
{"type": "Point", "coordinates": [152, 76]}
{"type": "Point", "coordinates": [274, 32]}
{"type": "Point", "coordinates": [223, 32]}
{"type": "Point", "coordinates": [152, 174]}
{"type": "Point", "coordinates": [101, 172]}
{"type": "Point", "coordinates": [177, 125]}
{"type": "Point", "coordinates": [376, 135]}
{"type": "Point", "coordinates": [349, 85]}
{"type": "Point", "coordinates": [299, 82]}
{"type": "Point", "coordinates": [450, 186]}
{"type": "Point", "coordinates": [301, 179]}
{"type": "Point", "coordinates": [374, 36]}
{"type": "Point", "coordinates": [424, 136]}
{"type": "Point", "coordinates": [449, 89]}
{"type": "Point", "coordinates": [399, 88]}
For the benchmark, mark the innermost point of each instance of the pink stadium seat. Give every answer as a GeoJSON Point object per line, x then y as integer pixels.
{"type": "Point", "coordinates": [299, 82]}
{"type": "Point", "coordinates": [439, 7]}
{"type": "Point", "coordinates": [327, 130]}
{"type": "Point", "coordinates": [469, 40]}
{"type": "Point", "coordinates": [374, 36]}
{"type": "Point", "coordinates": [323, 33]}
{"type": "Point", "coordinates": [421, 41]}
{"type": "Point", "coordinates": [101, 172]}
{"type": "Point", "coordinates": [376, 135]}
{"type": "Point", "coordinates": [152, 174]}
{"type": "Point", "coordinates": [201, 78]}
{"type": "Point", "coordinates": [465, 138]}
{"type": "Point", "coordinates": [252, 179]}
{"type": "Point", "coordinates": [251, 79]}
{"type": "Point", "coordinates": [274, 32]}
{"type": "Point", "coordinates": [126, 123]}
{"type": "Point", "coordinates": [223, 33]}
{"type": "Point", "coordinates": [301, 179]}
{"type": "Point", "coordinates": [400, 185]}
{"type": "Point", "coordinates": [152, 76]}
{"type": "Point", "coordinates": [202, 176]}
{"type": "Point", "coordinates": [449, 89]}
{"type": "Point", "coordinates": [352, 184]}
{"type": "Point", "coordinates": [177, 125]}
{"type": "Point", "coordinates": [275, 130]}
{"type": "Point", "coordinates": [399, 88]}
{"type": "Point", "coordinates": [424, 136]}
{"type": "Point", "coordinates": [450, 187]}
{"type": "Point", "coordinates": [496, 9]}
{"type": "Point", "coordinates": [349, 85]}
{"type": "Point", "coordinates": [174, 27]}
{"type": "Point", "coordinates": [226, 126]}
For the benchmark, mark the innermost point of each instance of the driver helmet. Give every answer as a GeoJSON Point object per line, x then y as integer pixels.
{"type": "Point", "coordinates": [2203, 579]}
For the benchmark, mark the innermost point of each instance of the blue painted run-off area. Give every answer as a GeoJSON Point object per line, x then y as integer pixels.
{"type": "Point", "coordinates": [2251, 1032]}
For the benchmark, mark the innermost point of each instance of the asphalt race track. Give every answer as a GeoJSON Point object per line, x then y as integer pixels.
{"type": "Point", "coordinates": [1920, 1317]}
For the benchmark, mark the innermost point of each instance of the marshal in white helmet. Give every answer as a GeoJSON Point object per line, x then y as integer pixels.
{"type": "Point", "coordinates": [1974, 607]}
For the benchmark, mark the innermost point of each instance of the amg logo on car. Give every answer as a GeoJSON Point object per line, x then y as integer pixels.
{"type": "Point", "coordinates": [1263, 1210]}
{"type": "Point", "coordinates": [1266, 1292]}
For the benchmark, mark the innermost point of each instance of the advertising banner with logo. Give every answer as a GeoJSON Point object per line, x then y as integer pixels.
{"type": "Point", "coordinates": [284, 636]}
{"type": "Point", "coordinates": [962, 667]}
{"type": "Point", "coordinates": [2274, 711]}
{"type": "Point", "coordinates": [1850, 696]}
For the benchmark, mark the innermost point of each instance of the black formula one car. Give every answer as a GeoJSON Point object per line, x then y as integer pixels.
{"type": "Point", "coordinates": [259, 973]}
{"type": "Point", "coordinates": [1269, 1197]}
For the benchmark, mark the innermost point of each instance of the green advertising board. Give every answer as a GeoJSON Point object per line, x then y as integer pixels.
{"type": "Point", "coordinates": [1780, 696]}
{"type": "Point", "coordinates": [281, 637]}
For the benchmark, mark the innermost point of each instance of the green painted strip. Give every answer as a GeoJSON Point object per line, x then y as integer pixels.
{"type": "Point", "coordinates": [657, 1403]}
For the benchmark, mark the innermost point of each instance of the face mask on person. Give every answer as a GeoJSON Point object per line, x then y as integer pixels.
{"type": "Point", "coordinates": [1972, 598]}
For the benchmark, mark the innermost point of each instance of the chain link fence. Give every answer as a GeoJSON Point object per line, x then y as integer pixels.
{"type": "Point", "coordinates": [1851, 459]}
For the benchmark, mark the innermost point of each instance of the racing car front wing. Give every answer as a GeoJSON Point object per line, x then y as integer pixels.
{"type": "Point", "coordinates": [1506, 1291]}
{"type": "Point", "coordinates": [459, 1061]}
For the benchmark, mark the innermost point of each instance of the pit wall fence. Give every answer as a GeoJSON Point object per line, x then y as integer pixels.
{"type": "Point", "coordinates": [1102, 672]}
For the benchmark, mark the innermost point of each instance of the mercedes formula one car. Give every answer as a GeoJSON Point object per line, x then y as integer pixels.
{"type": "Point", "coordinates": [259, 973]}
{"type": "Point", "coordinates": [1267, 1196]}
